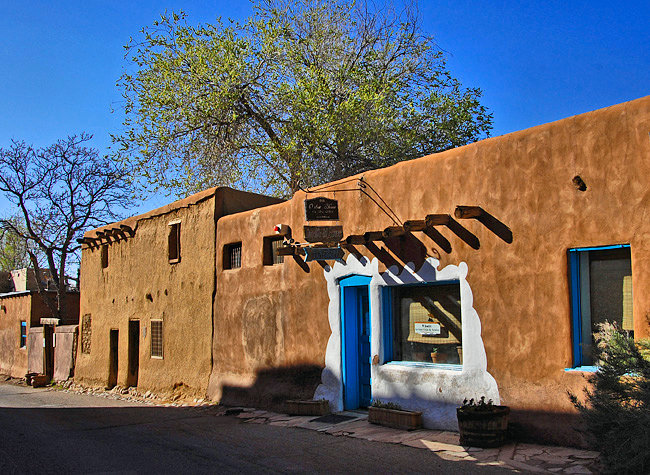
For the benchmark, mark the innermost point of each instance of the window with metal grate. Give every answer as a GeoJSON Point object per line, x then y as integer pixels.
{"type": "Point", "coordinates": [232, 256]}
{"type": "Point", "coordinates": [156, 338]}
{"type": "Point", "coordinates": [271, 246]}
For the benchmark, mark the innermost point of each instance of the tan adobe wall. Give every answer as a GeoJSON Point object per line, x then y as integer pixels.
{"type": "Point", "coordinates": [13, 359]}
{"type": "Point", "coordinates": [31, 308]}
{"type": "Point", "coordinates": [141, 284]}
{"type": "Point", "coordinates": [269, 320]}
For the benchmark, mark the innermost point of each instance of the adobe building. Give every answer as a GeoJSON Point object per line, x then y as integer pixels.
{"type": "Point", "coordinates": [479, 271]}
{"type": "Point", "coordinates": [27, 328]}
{"type": "Point", "coordinates": [148, 291]}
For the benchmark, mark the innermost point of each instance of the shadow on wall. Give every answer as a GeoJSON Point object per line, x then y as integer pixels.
{"type": "Point", "coordinates": [553, 428]}
{"type": "Point", "coordinates": [273, 386]}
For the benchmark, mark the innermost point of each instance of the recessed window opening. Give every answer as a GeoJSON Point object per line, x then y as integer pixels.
{"type": "Point", "coordinates": [156, 338]}
{"type": "Point", "coordinates": [270, 254]}
{"type": "Point", "coordinates": [601, 290]}
{"type": "Point", "coordinates": [104, 256]}
{"type": "Point", "coordinates": [232, 256]}
{"type": "Point", "coordinates": [427, 324]}
{"type": "Point", "coordinates": [86, 332]}
{"type": "Point", "coordinates": [174, 242]}
{"type": "Point", "coordinates": [23, 334]}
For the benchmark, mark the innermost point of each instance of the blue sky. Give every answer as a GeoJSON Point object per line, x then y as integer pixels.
{"type": "Point", "coordinates": [535, 61]}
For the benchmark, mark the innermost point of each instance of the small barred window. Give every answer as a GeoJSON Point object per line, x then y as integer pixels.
{"type": "Point", "coordinates": [156, 338]}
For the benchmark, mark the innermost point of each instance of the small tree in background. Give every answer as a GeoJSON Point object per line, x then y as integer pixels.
{"type": "Point", "coordinates": [304, 92]}
{"type": "Point", "coordinates": [13, 249]}
{"type": "Point", "coordinates": [59, 192]}
{"type": "Point", "coordinates": [616, 412]}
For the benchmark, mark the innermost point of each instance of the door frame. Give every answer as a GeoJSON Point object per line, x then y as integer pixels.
{"type": "Point", "coordinates": [351, 381]}
{"type": "Point", "coordinates": [113, 356]}
{"type": "Point", "coordinates": [133, 353]}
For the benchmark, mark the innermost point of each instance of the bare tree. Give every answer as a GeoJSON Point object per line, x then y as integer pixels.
{"type": "Point", "coordinates": [59, 191]}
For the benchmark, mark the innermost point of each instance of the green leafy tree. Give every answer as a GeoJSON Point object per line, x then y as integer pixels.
{"type": "Point", "coordinates": [13, 249]}
{"type": "Point", "coordinates": [616, 411]}
{"type": "Point", "coordinates": [302, 93]}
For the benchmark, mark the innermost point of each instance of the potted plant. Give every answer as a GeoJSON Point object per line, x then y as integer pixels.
{"type": "Point", "coordinates": [482, 424]}
{"type": "Point", "coordinates": [319, 407]}
{"type": "Point", "coordinates": [390, 414]}
{"type": "Point", "coordinates": [435, 355]}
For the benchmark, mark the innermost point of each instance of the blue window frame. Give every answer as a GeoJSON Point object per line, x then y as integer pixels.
{"type": "Point", "coordinates": [23, 333]}
{"type": "Point", "coordinates": [355, 341]}
{"type": "Point", "coordinates": [422, 324]}
{"type": "Point", "coordinates": [600, 281]}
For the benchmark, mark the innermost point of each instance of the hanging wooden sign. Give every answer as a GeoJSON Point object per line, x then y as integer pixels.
{"type": "Point", "coordinates": [323, 233]}
{"type": "Point", "coordinates": [323, 254]}
{"type": "Point", "coordinates": [321, 209]}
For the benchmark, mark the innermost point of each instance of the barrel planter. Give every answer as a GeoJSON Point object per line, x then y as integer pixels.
{"type": "Point", "coordinates": [395, 418]}
{"type": "Point", "coordinates": [320, 407]}
{"type": "Point", "coordinates": [483, 428]}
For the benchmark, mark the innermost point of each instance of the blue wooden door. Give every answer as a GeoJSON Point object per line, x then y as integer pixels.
{"type": "Point", "coordinates": [355, 341]}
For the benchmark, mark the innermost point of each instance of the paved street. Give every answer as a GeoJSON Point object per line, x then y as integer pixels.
{"type": "Point", "coordinates": [52, 431]}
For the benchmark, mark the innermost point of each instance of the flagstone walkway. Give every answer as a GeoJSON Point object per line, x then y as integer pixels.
{"type": "Point", "coordinates": [519, 457]}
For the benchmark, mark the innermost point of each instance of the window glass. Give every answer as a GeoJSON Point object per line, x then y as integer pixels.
{"type": "Point", "coordinates": [601, 286]}
{"type": "Point", "coordinates": [427, 324]}
{"type": "Point", "coordinates": [23, 334]}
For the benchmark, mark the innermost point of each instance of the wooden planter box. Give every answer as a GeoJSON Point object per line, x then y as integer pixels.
{"type": "Point", "coordinates": [395, 418]}
{"type": "Point", "coordinates": [40, 380]}
{"type": "Point", "coordinates": [483, 428]}
{"type": "Point", "coordinates": [308, 408]}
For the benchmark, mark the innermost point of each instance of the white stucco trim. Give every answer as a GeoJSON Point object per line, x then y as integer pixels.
{"type": "Point", "coordinates": [433, 390]}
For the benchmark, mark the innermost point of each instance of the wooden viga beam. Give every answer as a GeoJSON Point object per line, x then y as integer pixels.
{"type": "Point", "coordinates": [454, 226]}
{"type": "Point", "coordinates": [291, 250]}
{"type": "Point", "coordinates": [468, 212]}
{"type": "Point", "coordinates": [373, 236]}
{"type": "Point", "coordinates": [437, 220]}
{"type": "Point", "coordinates": [127, 229]}
{"type": "Point", "coordinates": [493, 224]}
{"type": "Point", "coordinates": [394, 231]}
{"type": "Point", "coordinates": [355, 239]}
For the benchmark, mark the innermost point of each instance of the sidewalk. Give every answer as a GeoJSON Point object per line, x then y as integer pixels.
{"type": "Point", "coordinates": [519, 457]}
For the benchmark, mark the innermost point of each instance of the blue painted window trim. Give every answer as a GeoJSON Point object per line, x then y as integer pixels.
{"type": "Point", "coordinates": [350, 381]}
{"type": "Point", "coordinates": [420, 364]}
{"type": "Point", "coordinates": [586, 369]}
{"type": "Point", "coordinates": [576, 313]}
{"type": "Point", "coordinates": [387, 295]}
{"type": "Point", "coordinates": [387, 322]}
{"type": "Point", "coordinates": [23, 334]}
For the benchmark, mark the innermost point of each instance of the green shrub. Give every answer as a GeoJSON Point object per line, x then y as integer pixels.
{"type": "Point", "coordinates": [616, 412]}
{"type": "Point", "coordinates": [386, 405]}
